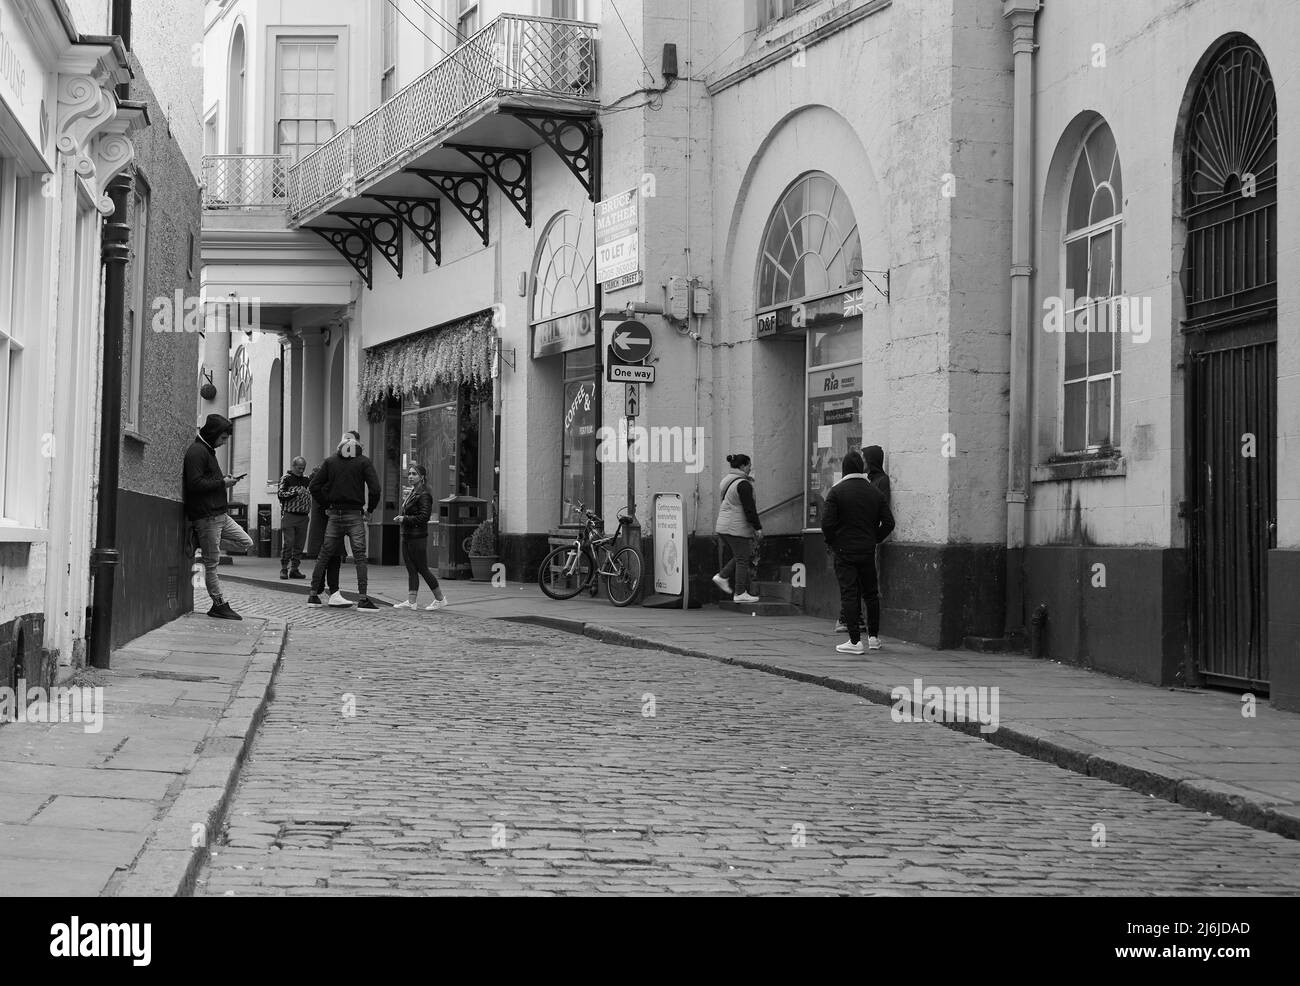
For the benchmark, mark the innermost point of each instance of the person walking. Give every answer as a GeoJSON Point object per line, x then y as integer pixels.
{"type": "Point", "coordinates": [739, 527]}
{"type": "Point", "coordinates": [874, 458]}
{"type": "Point", "coordinates": [855, 519]}
{"type": "Point", "coordinates": [204, 485]}
{"type": "Point", "coordinates": [341, 486]}
{"type": "Point", "coordinates": [295, 512]}
{"type": "Point", "coordinates": [417, 508]}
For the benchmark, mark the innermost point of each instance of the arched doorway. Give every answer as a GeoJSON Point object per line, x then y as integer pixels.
{"type": "Point", "coordinates": [1229, 199]}
{"type": "Point", "coordinates": [275, 465]}
{"type": "Point", "coordinates": [335, 399]}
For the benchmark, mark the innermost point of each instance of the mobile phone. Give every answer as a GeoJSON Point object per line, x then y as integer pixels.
{"type": "Point", "coordinates": [239, 477]}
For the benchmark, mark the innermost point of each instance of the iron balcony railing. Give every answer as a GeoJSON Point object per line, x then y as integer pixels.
{"type": "Point", "coordinates": [242, 181]}
{"type": "Point", "coordinates": [511, 55]}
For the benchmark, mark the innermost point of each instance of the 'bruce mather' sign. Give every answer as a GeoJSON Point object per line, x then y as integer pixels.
{"type": "Point", "coordinates": [811, 314]}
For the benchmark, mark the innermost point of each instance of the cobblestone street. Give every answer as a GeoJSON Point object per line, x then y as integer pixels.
{"type": "Point", "coordinates": [486, 757]}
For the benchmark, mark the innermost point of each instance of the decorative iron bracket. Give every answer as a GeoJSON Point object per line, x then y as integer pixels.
{"type": "Point", "coordinates": [412, 210]}
{"type": "Point", "coordinates": [573, 138]}
{"type": "Point", "coordinates": [501, 163]}
{"type": "Point", "coordinates": [866, 276]}
{"type": "Point", "coordinates": [383, 231]}
{"type": "Point", "coordinates": [352, 245]}
{"type": "Point", "coordinates": [453, 184]}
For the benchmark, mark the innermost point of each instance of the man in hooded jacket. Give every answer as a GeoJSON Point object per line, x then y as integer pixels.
{"type": "Point", "coordinates": [874, 458]}
{"type": "Point", "coordinates": [856, 518]}
{"type": "Point", "coordinates": [347, 486]}
{"type": "Point", "coordinates": [204, 485]}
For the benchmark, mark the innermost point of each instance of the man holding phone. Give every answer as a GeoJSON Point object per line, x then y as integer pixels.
{"type": "Point", "coordinates": [205, 485]}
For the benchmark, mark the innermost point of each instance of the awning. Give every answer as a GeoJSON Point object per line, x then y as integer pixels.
{"type": "Point", "coordinates": [457, 353]}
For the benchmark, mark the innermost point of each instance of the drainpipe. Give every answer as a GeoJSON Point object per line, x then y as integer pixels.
{"type": "Point", "coordinates": [598, 389]}
{"type": "Point", "coordinates": [1022, 14]}
{"type": "Point", "coordinates": [105, 558]}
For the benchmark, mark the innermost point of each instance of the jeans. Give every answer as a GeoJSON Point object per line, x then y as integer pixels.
{"type": "Point", "coordinates": [857, 577]}
{"type": "Point", "coordinates": [415, 553]}
{"type": "Point", "coordinates": [350, 524]}
{"type": "Point", "coordinates": [738, 564]}
{"type": "Point", "coordinates": [214, 533]}
{"type": "Point", "coordinates": [293, 536]}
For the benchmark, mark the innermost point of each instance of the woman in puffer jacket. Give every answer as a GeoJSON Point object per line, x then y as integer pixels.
{"type": "Point", "coordinates": [417, 508]}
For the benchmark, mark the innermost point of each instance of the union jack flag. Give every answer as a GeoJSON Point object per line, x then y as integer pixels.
{"type": "Point", "coordinates": [852, 303]}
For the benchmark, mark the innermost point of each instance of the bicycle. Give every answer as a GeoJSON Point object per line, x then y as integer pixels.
{"type": "Point", "coordinates": [570, 568]}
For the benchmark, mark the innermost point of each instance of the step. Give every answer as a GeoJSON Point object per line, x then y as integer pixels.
{"type": "Point", "coordinates": [777, 589]}
{"type": "Point", "coordinates": [761, 608]}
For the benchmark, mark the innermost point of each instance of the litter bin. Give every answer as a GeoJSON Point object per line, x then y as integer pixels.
{"type": "Point", "coordinates": [263, 530]}
{"type": "Point", "coordinates": [239, 514]}
{"type": "Point", "coordinates": [457, 518]}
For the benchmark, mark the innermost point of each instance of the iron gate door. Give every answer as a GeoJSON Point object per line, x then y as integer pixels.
{"type": "Point", "coordinates": [1234, 409]}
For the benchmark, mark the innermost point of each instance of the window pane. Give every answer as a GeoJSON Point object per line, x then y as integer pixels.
{"type": "Point", "coordinates": [1076, 268]}
{"type": "Point", "coordinates": [1118, 429]}
{"type": "Point", "coordinates": [1118, 318]}
{"type": "Point", "coordinates": [1101, 341]}
{"type": "Point", "coordinates": [842, 416]}
{"type": "Point", "coordinates": [1101, 152]}
{"type": "Point", "coordinates": [578, 469]}
{"type": "Point", "coordinates": [1099, 285]}
{"type": "Point", "coordinates": [1076, 352]}
{"type": "Point", "coordinates": [1117, 283]}
{"type": "Point", "coordinates": [1103, 205]}
{"type": "Point", "coordinates": [308, 56]}
{"type": "Point", "coordinates": [325, 56]}
{"type": "Point", "coordinates": [288, 132]}
{"type": "Point", "coordinates": [1099, 412]}
{"type": "Point", "coordinates": [1080, 195]}
{"type": "Point", "coordinates": [290, 105]}
{"type": "Point", "coordinates": [837, 344]}
{"type": "Point", "coordinates": [1073, 411]}
{"type": "Point", "coordinates": [289, 56]}
{"type": "Point", "coordinates": [289, 81]}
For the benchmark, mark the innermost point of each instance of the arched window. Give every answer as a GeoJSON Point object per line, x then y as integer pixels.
{"type": "Point", "coordinates": [565, 275]}
{"type": "Point", "coordinates": [1092, 307]}
{"type": "Point", "coordinates": [235, 81]}
{"type": "Point", "coordinates": [811, 245]}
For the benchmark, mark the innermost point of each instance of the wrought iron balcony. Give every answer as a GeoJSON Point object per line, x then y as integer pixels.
{"type": "Point", "coordinates": [512, 55]}
{"type": "Point", "coordinates": [245, 181]}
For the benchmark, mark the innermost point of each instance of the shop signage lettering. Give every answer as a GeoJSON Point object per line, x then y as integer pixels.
{"type": "Point", "coordinates": [843, 380]}
{"type": "Point", "coordinates": [560, 335]}
{"type": "Point", "coordinates": [838, 412]}
{"type": "Point", "coordinates": [12, 72]}
{"type": "Point", "coordinates": [811, 314]}
{"type": "Point", "coordinates": [22, 80]}
{"type": "Point", "coordinates": [618, 229]}
{"type": "Point", "coordinates": [670, 540]}
{"type": "Point", "coordinates": [582, 399]}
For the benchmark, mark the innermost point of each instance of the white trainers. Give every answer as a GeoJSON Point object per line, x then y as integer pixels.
{"type": "Point", "coordinates": [404, 604]}
{"type": "Point", "coordinates": [338, 600]}
{"type": "Point", "coordinates": [873, 643]}
{"type": "Point", "coordinates": [722, 584]}
{"type": "Point", "coordinates": [849, 647]}
{"type": "Point", "coordinates": [436, 604]}
{"type": "Point", "coordinates": [744, 597]}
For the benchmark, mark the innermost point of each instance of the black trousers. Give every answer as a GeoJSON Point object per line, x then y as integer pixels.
{"type": "Point", "coordinates": [415, 554]}
{"type": "Point", "coordinates": [856, 575]}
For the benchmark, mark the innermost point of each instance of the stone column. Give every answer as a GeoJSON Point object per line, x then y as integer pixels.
{"type": "Point", "coordinates": [312, 405]}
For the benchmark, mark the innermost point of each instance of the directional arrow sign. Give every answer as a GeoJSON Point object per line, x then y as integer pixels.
{"type": "Point", "coordinates": [632, 341]}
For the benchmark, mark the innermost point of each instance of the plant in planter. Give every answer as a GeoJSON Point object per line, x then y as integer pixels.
{"type": "Point", "coordinates": [481, 546]}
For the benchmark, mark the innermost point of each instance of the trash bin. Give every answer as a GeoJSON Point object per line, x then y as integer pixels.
{"type": "Point", "coordinates": [457, 518]}
{"type": "Point", "coordinates": [263, 530]}
{"type": "Point", "coordinates": [239, 514]}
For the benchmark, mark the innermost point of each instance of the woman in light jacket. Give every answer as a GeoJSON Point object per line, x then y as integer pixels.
{"type": "Point", "coordinates": [738, 526]}
{"type": "Point", "coordinates": [417, 508]}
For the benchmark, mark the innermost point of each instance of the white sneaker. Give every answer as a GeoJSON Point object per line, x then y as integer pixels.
{"type": "Point", "coordinates": [404, 604]}
{"type": "Point", "coordinates": [436, 604]}
{"type": "Point", "coordinates": [744, 597]}
{"type": "Point", "coordinates": [840, 627]}
{"type": "Point", "coordinates": [722, 584]}
{"type": "Point", "coordinates": [849, 647]}
{"type": "Point", "coordinates": [873, 643]}
{"type": "Point", "coordinates": [338, 600]}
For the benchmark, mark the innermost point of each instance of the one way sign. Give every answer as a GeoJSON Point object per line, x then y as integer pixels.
{"type": "Point", "coordinates": [632, 342]}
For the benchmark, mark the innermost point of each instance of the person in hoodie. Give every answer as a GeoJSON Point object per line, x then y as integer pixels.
{"type": "Point", "coordinates": [874, 458]}
{"type": "Point", "coordinates": [341, 486]}
{"type": "Point", "coordinates": [855, 519]}
{"type": "Point", "coordinates": [295, 512]}
{"type": "Point", "coordinates": [204, 484]}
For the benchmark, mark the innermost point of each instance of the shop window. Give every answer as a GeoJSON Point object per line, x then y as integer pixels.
{"type": "Point", "coordinates": [1090, 377]}
{"type": "Point", "coordinates": [578, 470]}
{"type": "Point", "coordinates": [388, 50]}
{"type": "Point", "coordinates": [306, 90]}
{"type": "Point", "coordinates": [444, 429]}
{"type": "Point", "coordinates": [15, 384]}
{"type": "Point", "coordinates": [468, 20]}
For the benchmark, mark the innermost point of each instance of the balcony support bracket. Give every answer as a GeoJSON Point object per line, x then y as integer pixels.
{"type": "Point", "coordinates": [572, 137]}
{"type": "Point", "coordinates": [510, 169]}
{"type": "Point", "coordinates": [465, 190]}
{"type": "Point", "coordinates": [422, 216]}
{"type": "Point", "coordinates": [382, 230]}
{"type": "Point", "coordinates": [351, 244]}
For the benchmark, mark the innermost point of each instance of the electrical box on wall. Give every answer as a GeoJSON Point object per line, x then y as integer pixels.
{"type": "Point", "coordinates": [701, 300]}
{"type": "Point", "coordinates": [677, 302]}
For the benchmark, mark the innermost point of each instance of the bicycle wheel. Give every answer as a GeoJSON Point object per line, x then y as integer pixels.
{"type": "Point", "coordinates": [622, 587]}
{"type": "Point", "coordinates": [562, 575]}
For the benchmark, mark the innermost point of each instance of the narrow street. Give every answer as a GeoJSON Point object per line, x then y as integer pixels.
{"type": "Point", "coordinates": [485, 757]}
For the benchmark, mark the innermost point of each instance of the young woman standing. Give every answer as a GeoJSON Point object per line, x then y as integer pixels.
{"type": "Point", "coordinates": [738, 526]}
{"type": "Point", "coordinates": [417, 508]}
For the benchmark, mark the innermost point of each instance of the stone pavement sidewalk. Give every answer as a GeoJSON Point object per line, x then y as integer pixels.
{"type": "Point", "coordinates": [127, 809]}
{"type": "Point", "coordinates": [1195, 748]}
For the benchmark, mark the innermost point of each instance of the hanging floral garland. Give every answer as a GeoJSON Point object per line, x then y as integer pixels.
{"type": "Point", "coordinates": [460, 353]}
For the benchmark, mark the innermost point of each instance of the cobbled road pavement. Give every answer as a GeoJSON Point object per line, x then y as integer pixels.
{"type": "Point", "coordinates": [485, 757]}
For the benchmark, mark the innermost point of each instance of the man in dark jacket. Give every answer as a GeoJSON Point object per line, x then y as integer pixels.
{"type": "Point", "coordinates": [856, 518]}
{"type": "Point", "coordinates": [874, 457]}
{"type": "Point", "coordinates": [341, 486]}
{"type": "Point", "coordinates": [295, 512]}
{"type": "Point", "coordinates": [205, 484]}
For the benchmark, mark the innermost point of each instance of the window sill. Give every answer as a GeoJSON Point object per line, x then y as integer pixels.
{"type": "Point", "coordinates": [1082, 467]}
{"type": "Point", "coordinates": [13, 533]}
{"type": "Point", "coordinates": [135, 436]}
